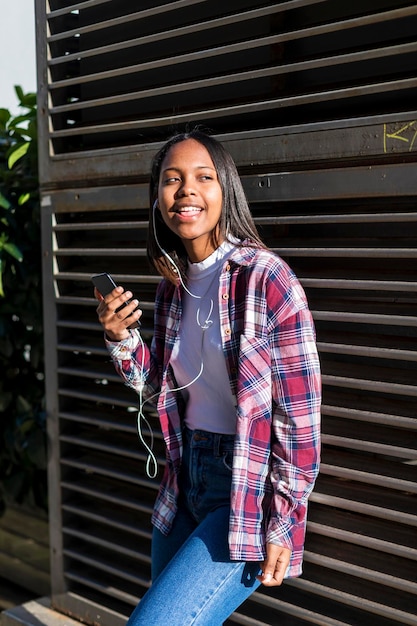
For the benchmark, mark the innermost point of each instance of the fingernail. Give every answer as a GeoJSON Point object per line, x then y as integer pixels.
{"type": "Point", "coordinates": [268, 578]}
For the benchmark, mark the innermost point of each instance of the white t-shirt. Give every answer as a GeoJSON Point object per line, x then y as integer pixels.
{"type": "Point", "coordinates": [198, 356]}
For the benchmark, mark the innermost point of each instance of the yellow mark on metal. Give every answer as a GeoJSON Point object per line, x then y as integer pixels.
{"type": "Point", "coordinates": [407, 134]}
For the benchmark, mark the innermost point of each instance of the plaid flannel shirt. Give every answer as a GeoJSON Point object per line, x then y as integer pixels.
{"type": "Point", "coordinates": [269, 345]}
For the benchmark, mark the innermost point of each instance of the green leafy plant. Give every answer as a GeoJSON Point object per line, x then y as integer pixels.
{"type": "Point", "coordinates": [22, 415]}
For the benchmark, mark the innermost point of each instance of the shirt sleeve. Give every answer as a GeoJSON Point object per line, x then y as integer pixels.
{"type": "Point", "coordinates": [135, 363]}
{"type": "Point", "coordinates": [296, 391]}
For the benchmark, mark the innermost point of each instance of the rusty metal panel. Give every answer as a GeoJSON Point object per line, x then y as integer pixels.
{"type": "Point", "coordinates": [316, 102]}
{"type": "Point", "coordinates": [113, 79]}
{"type": "Point", "coordinates": [369, 365]}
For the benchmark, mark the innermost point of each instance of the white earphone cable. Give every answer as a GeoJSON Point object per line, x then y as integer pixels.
{"type": "Point", "coordinates": [151, 461]}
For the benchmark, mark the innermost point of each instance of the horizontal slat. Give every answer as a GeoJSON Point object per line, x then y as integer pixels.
{"type": "Point", "coordinates": [349, 182]}
{"type": "Point", "coordinates": [367, 541]}
{"type": "Point", "coordinates": [381, 512]}
{"type": "Point", "coordinates": [123, 19]}
{"type": "Point", "coordinates": [100, 252]}
{"type": "Point", "coordinates": [95, 468]}
{"type": "Point", "coordinates": [365, 318]}
{"type": "Point", "coordinates": [99, 398]}
{"type": "Point", "coordinates": [244, 620]}
{"type": "Point", "coordinates": [368, 351]}
{"type": "Point", "coordinates": [74, 227]}
{"type": "Point", "coordinates": [351, 473]}
{"type": "Point", "coordinates": [346, 218]}
{"type": "Point", "coordinates": [170, 60]}
{"type": "Point", "coordinates": [109, 544]}
{"type": "Point", "coordinates": [372, 417]}
{"type": "Point", "coordinates": [116, 500]}
{"type": "Point", "coordinates": [106, 567]}
{"type": "Point", "coordinates": [214, 113]}
{"type": "Point", "coordinates": [361, 572]}
{"type": "Point", "coordinates": [322, 29]}
{"type": "Point", "coordinates": [380, 181]}
{"type": "Point", "coordinates": [370, 385]}
{"type": "Point", "coordinates": [297, 612]}
{"type": "Point", "coordinates": [109, 448]}
{"type": "Point", "coordinates": [82, 418]}
{"type": "Point", "coordinates": [120, 278]}
{"type": "Point", "coordinates": [82, 349]}
{"type": "Point", "coordinates": [374, 608]}
{"type": "Point", "coordinates": [107, 374]}
{"type": "Point", "coordinates": [213, 81]}
{"type": "Point", "coordinates": [146, 331]}
{"type": "Point", "coordinates": [361, 137]}
{"type": "Point", "coordinates": [103, 588]}
{"type": "Point", "coordinates": [369, 446]}
{"type": "Point", "coordinates": [367, 285]}
{"type": "Point", "coordinates": [209, 24]}
{"type": "Point", "coordinates": [77, 6]}
{"type": "Point", "coordinates": [359, 252]}
{"type": "Point", "coordinates": [107, 520]}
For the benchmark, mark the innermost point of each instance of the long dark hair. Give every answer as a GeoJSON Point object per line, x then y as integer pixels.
{"type": "Point", "coordinates": [235, 221]}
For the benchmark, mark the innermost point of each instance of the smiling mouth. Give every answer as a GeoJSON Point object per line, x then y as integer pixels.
{"type": "Point", "coordinates": [188, 210]}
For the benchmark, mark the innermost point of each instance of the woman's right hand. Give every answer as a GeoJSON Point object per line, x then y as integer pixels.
{"type": "Point", "coordinates": [116, 323]}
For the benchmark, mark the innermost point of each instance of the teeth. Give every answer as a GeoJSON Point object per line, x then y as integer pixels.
{"type": "Point", "coordinates": [189, 209]}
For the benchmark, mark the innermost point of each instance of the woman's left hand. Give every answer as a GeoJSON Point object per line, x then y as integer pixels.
{"type": "Point", "coordinates": [275, 565]}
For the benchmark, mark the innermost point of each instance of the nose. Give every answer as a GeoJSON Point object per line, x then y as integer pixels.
{"type": "Point", "coordinates": [186, 188]}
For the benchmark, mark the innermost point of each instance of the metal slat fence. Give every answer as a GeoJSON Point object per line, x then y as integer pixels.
{"type": "Point", "coordinates": [315, 101]}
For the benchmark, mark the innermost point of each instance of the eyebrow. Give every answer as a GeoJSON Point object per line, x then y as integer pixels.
{"type": "Point", "coordinates": [198, 167]}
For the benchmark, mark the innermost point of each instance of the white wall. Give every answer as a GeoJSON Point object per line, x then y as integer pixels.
{"type": "Point", "coordinates": [17, 50]}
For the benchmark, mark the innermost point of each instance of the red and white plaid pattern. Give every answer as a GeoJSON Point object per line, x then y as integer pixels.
{"type": "Point", "coordinates": [269, 345]}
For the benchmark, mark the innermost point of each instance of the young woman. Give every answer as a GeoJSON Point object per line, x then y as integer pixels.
{"type": "Point", "coordinates": [234, 367]}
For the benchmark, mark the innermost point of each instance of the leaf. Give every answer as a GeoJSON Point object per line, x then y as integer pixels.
{"type": "Point", "coordinates": [26, 99]}
{"type": "Point", "coordinates": [25, 425]}
{"type": "Point", "coordinates": [5, 115]}
{"type": "Point", "coordinates": [33, 129]}
{"type": "Point", "coordinates": [4, 203]}
{"type": "Point", "coordinates": [17, 120]}
{"type": "Point", "coordinates": [17, 154]}
{"type": "Point", "coordinates": [14, 251]}
{"type": "Point", "coordinates": [19, 133]}
{"type": "Point", "coordinates": [19, 92]}
{"type": "Point", "coordinates": [23, 198]}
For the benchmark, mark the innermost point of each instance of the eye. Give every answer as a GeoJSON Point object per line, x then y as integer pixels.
{"type": "Point", "coordinates": [171, 180]}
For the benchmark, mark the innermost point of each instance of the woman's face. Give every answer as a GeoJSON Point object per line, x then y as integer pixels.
{"type": "Point", "coordinates": [190, 198]}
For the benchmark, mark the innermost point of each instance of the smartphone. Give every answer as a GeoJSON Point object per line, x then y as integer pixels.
{"type": "Point", "coordinates": [105, 284]}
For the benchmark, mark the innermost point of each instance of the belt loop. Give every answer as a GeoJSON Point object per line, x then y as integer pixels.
{"type": "Point", "coordinates": [216, 445]}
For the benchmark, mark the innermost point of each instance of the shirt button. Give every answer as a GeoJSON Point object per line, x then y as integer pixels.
{"type": "Point", "coordinates": [225, 296]}
{"type": "Point", "coordinates": [227, 331]}
{"type": "Point", "coordinates": [228, 267]}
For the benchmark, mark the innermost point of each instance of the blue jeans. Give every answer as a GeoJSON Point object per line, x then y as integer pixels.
{"type": "Point", "coordinates": [194, 581]}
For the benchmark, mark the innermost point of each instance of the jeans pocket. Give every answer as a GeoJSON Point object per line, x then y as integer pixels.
{"type": "Point", "coordinates": [228, 460]}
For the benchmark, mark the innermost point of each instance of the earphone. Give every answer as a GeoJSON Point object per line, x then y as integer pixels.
{"type": "Point", "coordinates": [151, 461]}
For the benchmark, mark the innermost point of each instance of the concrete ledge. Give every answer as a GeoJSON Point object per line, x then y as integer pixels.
{"type": "Point", "coordinates": [35, 613]}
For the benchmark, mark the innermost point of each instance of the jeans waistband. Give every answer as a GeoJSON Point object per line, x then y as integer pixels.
{"type": "Point", "coordinates": [210, 441]}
